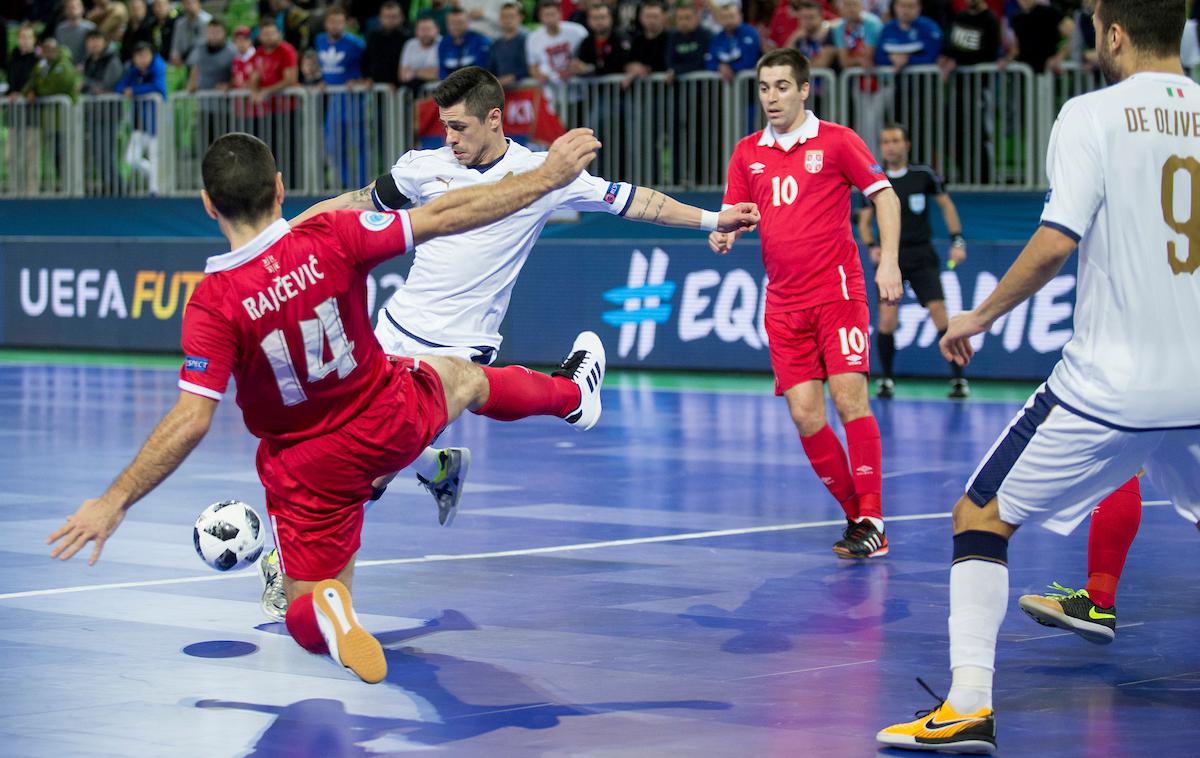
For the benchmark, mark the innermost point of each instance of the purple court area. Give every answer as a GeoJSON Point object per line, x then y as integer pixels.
{"type": "Point", "coordinates": [662, 585]}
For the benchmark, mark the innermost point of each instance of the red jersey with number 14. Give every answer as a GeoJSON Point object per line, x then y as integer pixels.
{"type": "Point", "coordinates": [286, 316]}
{"type": "Point", "coordinates": [801, 183]}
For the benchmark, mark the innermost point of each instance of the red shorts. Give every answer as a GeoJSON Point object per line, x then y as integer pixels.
{"type": "Point", "coordinates": [817, 342]}
{"type": "Point", "coordinates": [316, 488]}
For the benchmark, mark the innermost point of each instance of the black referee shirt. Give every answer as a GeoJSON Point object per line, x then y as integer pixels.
{"type": "Point", "coordinates": [917, 187]}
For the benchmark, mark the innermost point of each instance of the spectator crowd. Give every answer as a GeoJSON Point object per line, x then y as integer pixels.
{"type": "Point", "coordinates": [67, 47]}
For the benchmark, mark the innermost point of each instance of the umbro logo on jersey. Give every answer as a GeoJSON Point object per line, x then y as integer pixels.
{"type": "Point", "coordinates": [756, 168]}
{"type": "Point", "coordinates": [864, 470]}
{"type": "Point", "coordinates": [814, 161]}
{"type": "Point", "coordinates": [854, 360]}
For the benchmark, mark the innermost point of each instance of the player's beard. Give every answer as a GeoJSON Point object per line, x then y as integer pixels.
{"type": "Point", "coordinates": [1108, 63]}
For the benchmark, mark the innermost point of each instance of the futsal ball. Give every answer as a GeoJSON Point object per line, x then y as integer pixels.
{"type": "Point", "coordinates": [228, 535]}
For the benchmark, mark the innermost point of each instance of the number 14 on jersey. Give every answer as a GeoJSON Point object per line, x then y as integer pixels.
{"type": "Point", "coordinates": [325, 329]}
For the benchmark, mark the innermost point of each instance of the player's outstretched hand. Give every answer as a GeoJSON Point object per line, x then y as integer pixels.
{"type": "Point", "coordinates": [739, 217]}
{"type": "Point", "coordinates": [721, 242]}
{"type": "Point", "coordinates": [570, 154]}
{"type": "Point", "coordinates": [889, 283]}
{"type": "Point", "coordinates": [956, 342]}
{"type": "Point", "coordinates": [95, 521]}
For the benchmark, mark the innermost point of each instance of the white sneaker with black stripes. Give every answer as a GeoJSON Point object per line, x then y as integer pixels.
{"type": "Point", "coordinates": [585, 367]}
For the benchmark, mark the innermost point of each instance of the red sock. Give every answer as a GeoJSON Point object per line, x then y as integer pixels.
{"type": "Point", "coordinates": [515, 392]}
{"type": "Point", "coordinates": [828, 459]}
{"type": "Point", "coordinates": [866, 462]}
{"type": "Point", "coordinates": [1114, 525]}
{"type": "Point", "coordinates": [301, 622]}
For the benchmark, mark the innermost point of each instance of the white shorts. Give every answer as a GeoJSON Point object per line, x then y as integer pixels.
{"type": "Point", "coordinates": [1054, 466]}
{"type": "Point", "coordinates": [396, 340]}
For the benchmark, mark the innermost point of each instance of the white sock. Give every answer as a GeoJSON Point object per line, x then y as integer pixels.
{"type": "Point", "coordinates": [978, 602]}
{"type": "Point", "coordinates": [427, 463]}
{"type": "Point", "coordinates": [875, 522]}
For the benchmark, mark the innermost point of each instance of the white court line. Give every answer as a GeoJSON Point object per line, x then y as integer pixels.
{"type": "Point", "coordinates": [499, 554]}
{"type": "Point", "coordinates": [475, 556]}
{"type": "Point", "coordinates": [802, 671]}
{"type": "Point", "coordinates": [1159, 678]}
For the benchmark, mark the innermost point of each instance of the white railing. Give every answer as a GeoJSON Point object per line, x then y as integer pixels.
{"type": "Point", "coordinates": [38, 147]}
{"type": "Point", "coordinates": [975, 126]}
{"type": "Point", "coordinates": [983, 127]}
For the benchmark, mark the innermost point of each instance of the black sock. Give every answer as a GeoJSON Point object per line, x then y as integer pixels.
{"type": "Point", "coordinates": [887, 352]}
{"type": "Point", "coordinates": [955, 369]}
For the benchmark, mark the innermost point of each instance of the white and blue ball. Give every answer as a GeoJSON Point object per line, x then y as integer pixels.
{"type": "Point", "coordinates": [228, 535]}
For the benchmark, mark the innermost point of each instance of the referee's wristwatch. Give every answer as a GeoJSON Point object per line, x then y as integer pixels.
{"type": "Point", "coordinates": [957, 240]}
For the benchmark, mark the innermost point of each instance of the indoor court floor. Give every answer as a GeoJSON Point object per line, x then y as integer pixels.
{"type": "Point", "coordinates": [662, 585]}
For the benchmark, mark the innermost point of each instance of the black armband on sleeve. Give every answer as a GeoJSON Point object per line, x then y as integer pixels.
{"type": "Point", "coordinates": [387, 196]}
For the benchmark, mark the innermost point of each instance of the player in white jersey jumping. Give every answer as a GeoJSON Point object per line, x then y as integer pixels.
{"type": "Point", "coordinates": [458, 289]}
{"type": "Point", "coordinates": [1125, 188]}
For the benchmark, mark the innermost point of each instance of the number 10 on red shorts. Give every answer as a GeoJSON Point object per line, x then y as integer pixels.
{"type": "Point", "coordinates": [815, 343]}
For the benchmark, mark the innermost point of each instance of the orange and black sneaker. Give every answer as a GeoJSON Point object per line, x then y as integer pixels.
{"type": "Point", "coordinates": [944, 730]}
{"type": "Point", "coordinates": [349, 644]}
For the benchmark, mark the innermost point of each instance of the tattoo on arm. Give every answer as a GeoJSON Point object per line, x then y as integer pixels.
{"type": "Point", "coordinates": [362, 196]}
{"type": "Point", "coordinates": [662, 200]}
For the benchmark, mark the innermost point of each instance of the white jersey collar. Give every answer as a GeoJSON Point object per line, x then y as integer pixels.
{"type": "Point", "coordinates": [808, 130]}
{"type": "Point", "coordinates": [250, 250]}
{"type": "Point", "coordinates": [1163, 75]}
{"type": "Point", "coordinates": [897, 173]}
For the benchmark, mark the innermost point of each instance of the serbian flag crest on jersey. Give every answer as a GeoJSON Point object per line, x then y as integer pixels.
{"type": "Point", "coordinates": [814, 160]}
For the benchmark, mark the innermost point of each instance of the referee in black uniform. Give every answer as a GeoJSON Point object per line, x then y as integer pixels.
{"type": "Point", "coordinates": [919, 263]}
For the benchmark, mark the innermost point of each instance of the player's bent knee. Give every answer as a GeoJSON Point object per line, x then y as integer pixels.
{"type": "Point", "coordinates": [969, 517]}
{"type": "Point", "coordinates": [463, 382]}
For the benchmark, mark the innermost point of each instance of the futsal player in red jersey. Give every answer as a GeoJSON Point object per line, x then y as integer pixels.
{"type": "Point", "coordinates": [285, 314]}
{"type": "Point", "coordinates": [800, 171]}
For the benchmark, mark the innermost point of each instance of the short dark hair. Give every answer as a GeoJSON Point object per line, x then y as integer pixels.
{"type": "Point", "coordinates": [389, 5]}
{"type": "Point", "coordinates": [896, 126]}
{"type": "Point", "coordinates": [478, 88]}
{"type": "Point", "coordinates": [786, 56]}
{"type": "Point", "coordinates": [516, 6]}
{"type": "Point", "coordinates": [239, 176]}
{"type": "Point", "coordinates": [217, 22]}
{"type": "Point", "coordinates": [810, 5]}
{"type": "Point", "coordinates": [456, 11]}
{"type": "Point", "coordinates": [335, 10]}
{"type": "Point", "coordinates": [93, 34]}
{"type": "Point", "coordinates": [549, 4]}
{"type": "Point", "coordinates": [1154, 26]}
{"type": "Point", "coordinates": [660, 4]}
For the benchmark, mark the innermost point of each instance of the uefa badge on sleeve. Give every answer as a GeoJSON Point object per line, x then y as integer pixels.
{"type": "Point", "coordinates": [814, 160]}
{"type": "Point", "coordinates": [376, 222]}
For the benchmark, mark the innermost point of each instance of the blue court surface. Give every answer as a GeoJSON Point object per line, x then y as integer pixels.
{"type": "Point", "coordinates": [662, 585]}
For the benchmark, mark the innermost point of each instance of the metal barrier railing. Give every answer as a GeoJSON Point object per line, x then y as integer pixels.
{"type": "Point", "coordinates": [975, 126]}
{"type": "Point", "coordinates": [36, 141]}
{"type": "Point", "coordinates": [981, 126]}
{"type": "Point", "coordinates": [991, 142]}
{"type": "Point", "coordinates": [124, 146]}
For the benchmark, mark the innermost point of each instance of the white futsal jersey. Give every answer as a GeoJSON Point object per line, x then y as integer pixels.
{"type": "Point", "coordinates": [458, 290]}
{"type": "Point", "coordinates": [1125, 182]}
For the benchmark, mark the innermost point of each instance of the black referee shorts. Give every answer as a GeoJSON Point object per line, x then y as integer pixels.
{"type": "Point", "coordinates": [922, 269]}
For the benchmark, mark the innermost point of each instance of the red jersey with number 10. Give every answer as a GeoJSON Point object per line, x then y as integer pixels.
{"type": "Point", "coordinates": [286, 316]}
{"type": "Point", "coordinates": [802, 185]}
